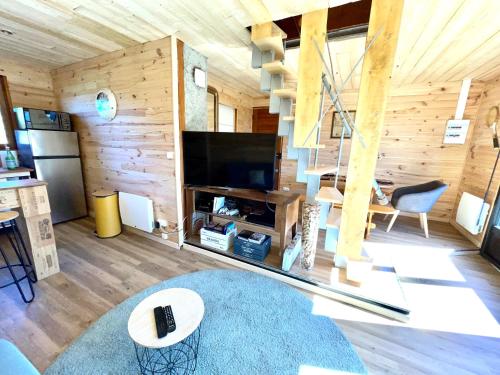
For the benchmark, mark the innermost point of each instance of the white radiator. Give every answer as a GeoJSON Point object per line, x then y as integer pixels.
{"type": "Point", "coordinates": [468, 213]}
{"type": "Point", "coordinates": [136, 211]}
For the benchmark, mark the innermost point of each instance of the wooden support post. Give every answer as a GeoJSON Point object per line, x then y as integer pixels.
{"type": "Point", "coordinates": [378, 62]}
{"type": "Point", "coordinates": [313, 29]}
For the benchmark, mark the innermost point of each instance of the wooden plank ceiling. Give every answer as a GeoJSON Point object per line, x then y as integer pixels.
{"type": "Point", "coordinates": [55, 33]}
{"type": "Point", "coordinates": [440, 40]}
{"type": "Point", "coordinates": [448, 41]}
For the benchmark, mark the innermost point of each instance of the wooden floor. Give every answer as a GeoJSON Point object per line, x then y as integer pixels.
{"type": "Point", "coordinates": [453, 330]}
{"type": "Point", "coordinates": [396, 249]}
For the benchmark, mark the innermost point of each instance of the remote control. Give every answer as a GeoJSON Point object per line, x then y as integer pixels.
{"type": "Point", "coordinates": [161, 322]}
{"type": "Point", "coordinates": [170, 318]}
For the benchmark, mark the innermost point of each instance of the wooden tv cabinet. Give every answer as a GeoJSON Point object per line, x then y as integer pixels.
{"type": "Point", "coordinates": [286, 208]}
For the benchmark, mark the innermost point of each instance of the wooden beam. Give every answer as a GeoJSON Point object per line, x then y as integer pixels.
{"type": "Point", "coordinates": [313, 30]}
{"type": "Point", "coordinates": [374, 89]}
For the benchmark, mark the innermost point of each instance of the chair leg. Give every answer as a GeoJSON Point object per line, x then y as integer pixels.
{"type": "Point", "coordinates": [424, 225]}
{"type": "Point", "coordinates": [22, 248]}
{"type": "Point", "coordinates": [391, 223]}
{"type": "Point", "coordinates": [16, 280]}
{"type": "Point", "coordinates": [368, 226]}
{"type": "Point", "coordinates": [14, 243]}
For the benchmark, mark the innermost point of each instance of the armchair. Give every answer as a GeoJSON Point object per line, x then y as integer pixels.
{"type": "Point", "coordinates": [417, 199]}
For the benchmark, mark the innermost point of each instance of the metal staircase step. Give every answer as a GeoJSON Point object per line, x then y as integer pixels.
{"type": "Point", "coordinates": [302, 163]}
{"type": "Point", "coordinates": [269, 37]}
{"type": "Point", "coordinates": [319, 171]}
{"type": "Point", "coordinates": [265, 76]}
{"type": "Point", "coordinates": [330, 194]}
{"type": "Point", "coordinates": [277, 67]}
{"type": "Point", "coordinates": [292, 153]}
{"type": "Point", "coordinates": [285, 109]}
{"type": "Point", "coordinates": [286, 93]}
{"type": "Point", "coordinates": [334, 216]}
{"type": "Point", "coordinates": [274, 100]}
{"type": "Point", "coordinates": [313, 146]}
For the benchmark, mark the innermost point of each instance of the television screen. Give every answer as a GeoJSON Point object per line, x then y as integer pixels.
{"type": "Point", "coordinates": [238, 160]}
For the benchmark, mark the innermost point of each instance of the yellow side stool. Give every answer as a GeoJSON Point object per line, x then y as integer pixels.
{"type": "Point", "coordinates": [107, 214]}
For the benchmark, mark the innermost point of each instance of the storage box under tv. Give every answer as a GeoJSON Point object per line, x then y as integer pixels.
{"type": "Point", "coordinates": [216, 240]}
{"type": "Point", "coordinates": [252, 250]}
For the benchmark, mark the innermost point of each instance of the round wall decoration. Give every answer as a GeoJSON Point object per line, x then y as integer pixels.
{"type": "Point", "coordinates": [105, 103]}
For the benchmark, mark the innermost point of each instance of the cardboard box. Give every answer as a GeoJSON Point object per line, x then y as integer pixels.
{"type": "Point", "coordinates": [216, 240]}
{"type": "Point", "coordinates": [46, 261]}
{"type": "Point", "coordinates": [9, 199]}
{"type": "Point", "coordinates": [40, 231]}
{"type": "Point", "coordinates": [34, 201]}
{"type": "Point", "coordinates": [43, 245]}
{"type": "Point", "coordinates": [252, 250]}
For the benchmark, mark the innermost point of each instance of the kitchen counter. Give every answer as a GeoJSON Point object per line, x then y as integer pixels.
{"type": "Point", "coordinates": [19, 184]}
{"type": "Point", "coordinates": [30, 198]}
{"type": "Point", "coordinates": [17, 172]}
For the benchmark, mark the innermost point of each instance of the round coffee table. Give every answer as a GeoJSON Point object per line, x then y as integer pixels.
{"type": "Point", "coordinates": [177, 352]}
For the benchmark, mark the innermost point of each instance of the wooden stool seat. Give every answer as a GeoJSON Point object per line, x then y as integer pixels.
{"type": "Point", "coordinates": [8, 216]}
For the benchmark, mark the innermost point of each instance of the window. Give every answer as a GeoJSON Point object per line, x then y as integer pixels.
{"type": "Point", "coordinates": [227, 119]}
{"type": "Point", "coordinates": [212, 108]}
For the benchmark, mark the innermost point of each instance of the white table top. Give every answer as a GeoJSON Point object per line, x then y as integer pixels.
{"type": "Point", "coordinates": [188, 309]}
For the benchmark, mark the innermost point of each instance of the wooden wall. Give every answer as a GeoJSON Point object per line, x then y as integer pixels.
{"type": "Point", "coordinates": [412, 149]}
{"type": "Point", "coordinates": [30, 86]}
{"type": "Point", "coordinates": [128, 153]}
{"type": "Point", "coordinates": [233, 97]}
{"type": "Point", "coordinates": [480, 158]}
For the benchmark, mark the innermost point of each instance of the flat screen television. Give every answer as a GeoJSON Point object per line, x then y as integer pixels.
{"type": "Point", "coordinates": [237, 160]}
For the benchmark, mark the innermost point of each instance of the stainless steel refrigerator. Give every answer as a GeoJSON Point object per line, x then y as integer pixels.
{"type": "Point", "coordinates": [55, 157]}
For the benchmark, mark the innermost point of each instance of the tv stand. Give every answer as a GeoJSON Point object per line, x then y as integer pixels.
{"type": "Point", "coordinates": [286, 207]}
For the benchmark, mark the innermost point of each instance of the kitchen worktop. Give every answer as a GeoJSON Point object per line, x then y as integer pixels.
{"type": "Point", "coordinates": [19, 184]}
{"type": "Point", "coordinates": [16, 170]}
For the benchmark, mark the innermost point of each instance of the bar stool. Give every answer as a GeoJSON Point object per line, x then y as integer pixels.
{"type": "Point", "coordinates": [8, 227]}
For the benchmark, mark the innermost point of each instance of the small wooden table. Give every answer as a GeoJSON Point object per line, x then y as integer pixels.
{"type": "Point", "coordinates": [286, 213]}
{"type": "Point", "coordinates": [31, 196]}
{"type": "Point", "coordinates": [154, 354]}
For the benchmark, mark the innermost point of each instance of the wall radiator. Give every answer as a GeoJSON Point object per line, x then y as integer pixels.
{"type": "Point", "coordinates": [137, 211]}
{"type": "Point", "coordinates": [471, 214]}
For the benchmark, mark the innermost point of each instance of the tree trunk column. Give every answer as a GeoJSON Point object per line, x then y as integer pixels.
{"type": "Point", "coordinates": [310, 227]}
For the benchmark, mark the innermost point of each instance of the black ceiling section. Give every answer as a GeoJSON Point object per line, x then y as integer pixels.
{"type": "Point", "coordinates": [344, 20]}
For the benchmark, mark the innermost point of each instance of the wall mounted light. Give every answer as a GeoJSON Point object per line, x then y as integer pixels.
{"type": "Point", "coordinates": [200, 77]}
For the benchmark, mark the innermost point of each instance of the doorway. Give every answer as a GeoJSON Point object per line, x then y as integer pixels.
{"type": "Point", "coordinates": [265, 122]}
{"type": "Point", "coordinates": [491, 244]}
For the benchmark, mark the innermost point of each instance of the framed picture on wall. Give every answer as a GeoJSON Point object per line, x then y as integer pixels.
{"type": "Point", "coordinates": [337, 125]}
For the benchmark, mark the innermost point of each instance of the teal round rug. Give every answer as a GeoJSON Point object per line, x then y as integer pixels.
{"type": "Point", "coordinates": [252, 325]}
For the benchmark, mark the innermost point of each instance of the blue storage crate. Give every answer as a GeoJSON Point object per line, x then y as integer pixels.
{"type": "Point", "coordinates": [252, 250]}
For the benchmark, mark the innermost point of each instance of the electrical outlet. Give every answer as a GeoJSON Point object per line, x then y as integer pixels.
{"type": "Point", "coordinates": [164, 236]}
{"type": "Point", "coordinates": [170, 155]}
{"type": "Point", "coordinates": [163, 223]}
{"type": "Point", "coordinates": [286, 188]}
